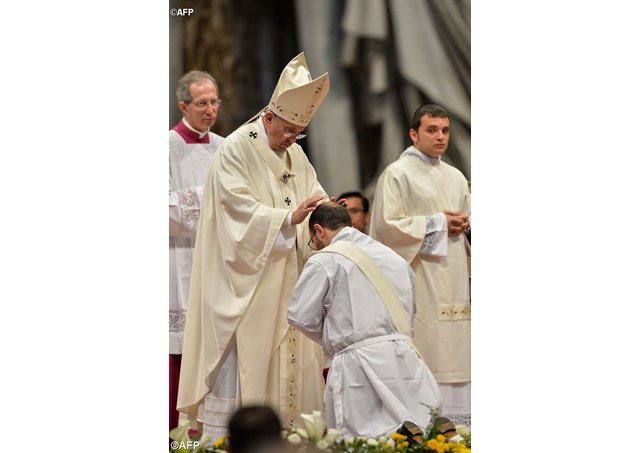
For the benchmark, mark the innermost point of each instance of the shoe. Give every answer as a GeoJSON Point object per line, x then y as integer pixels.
{"type": "Point", "coordinates": [412, 431]}
{"type": "Point", "coordinates": [444, 426]}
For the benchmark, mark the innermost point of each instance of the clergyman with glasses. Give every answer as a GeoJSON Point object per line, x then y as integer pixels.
{"type": "Point", "coordinates": [191, 148]}
{"type": "Point", "coordinates": [250, 249]}
{"type": "Point", "coordinates": [356, 297]}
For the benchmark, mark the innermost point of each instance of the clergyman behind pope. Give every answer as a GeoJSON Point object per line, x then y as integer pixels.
{"type": "Point", "coordinates": [250, 249]}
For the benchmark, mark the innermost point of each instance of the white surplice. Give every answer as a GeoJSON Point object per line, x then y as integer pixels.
{"type": "Point", "coordinates": [188, 167]}
{"type": "Point", "coordinates": [410, 196]}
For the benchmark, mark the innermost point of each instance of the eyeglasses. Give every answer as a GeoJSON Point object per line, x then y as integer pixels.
{"type": "Point", "coordinates": [297, 136]}
{"type": "Point", "coordinates": [201, 105]}
{"type": "Point", "coordinates": [310, 244]}
{"type": "Point", "coordinates": [292, 135]}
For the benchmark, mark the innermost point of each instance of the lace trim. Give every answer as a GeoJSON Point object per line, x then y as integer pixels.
{"type": "Point", "coordinates": [430, 237]}
{"type": "Point", "coordinates": [459, 418]}
{"type": "Point", "coordinates": [177, 320]}
{"type": "Point", "coordinates": [190, 208]}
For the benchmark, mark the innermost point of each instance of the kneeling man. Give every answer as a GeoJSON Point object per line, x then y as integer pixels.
{"type": "Point", "coordinates": [356, 297]}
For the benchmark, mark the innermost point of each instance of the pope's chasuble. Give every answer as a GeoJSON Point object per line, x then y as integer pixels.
{"type": "Point", "coordinates": [242, 280]}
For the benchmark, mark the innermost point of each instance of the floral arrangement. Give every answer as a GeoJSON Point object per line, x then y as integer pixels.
{"type": "Point", "coordinates": [314, 436]}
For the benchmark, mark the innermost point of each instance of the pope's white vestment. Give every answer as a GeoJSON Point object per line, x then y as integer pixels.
{"type": "Point", "coordinates": [238, 347]}
{"type": "Point", "coordinates": [376, 380]}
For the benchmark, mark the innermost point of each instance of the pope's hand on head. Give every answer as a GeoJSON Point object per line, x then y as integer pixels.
{"type": "Point", "coordinates": [305, 208]}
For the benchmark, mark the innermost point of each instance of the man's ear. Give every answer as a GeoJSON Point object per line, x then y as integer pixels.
{"type": "Point", "coordinates": [413, 135]}
{"type": "Point", "coordinates": [183, 107]}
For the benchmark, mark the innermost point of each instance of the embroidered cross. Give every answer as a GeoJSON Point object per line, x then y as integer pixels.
{"type": "Point", "coordinates": [288, 201]}
{"type": "Point", "coordinates": [252, 134]}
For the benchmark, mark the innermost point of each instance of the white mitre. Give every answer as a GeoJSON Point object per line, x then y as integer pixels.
{"type": "Point", "coordinates": [297, 96]}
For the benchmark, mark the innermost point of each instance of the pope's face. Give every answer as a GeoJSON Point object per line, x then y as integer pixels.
{"type": "Point", "coordinates": [432, 137]}
{"type": "Point", "coordinates": [200, 113]}
{"type": "Point", "coordinates": [282, 134]}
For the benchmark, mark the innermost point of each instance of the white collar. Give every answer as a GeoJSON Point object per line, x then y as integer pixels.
{"type": "Point", "coordinates": [415, 152]}
{"type": "Point", "coordinates": [190, 127]}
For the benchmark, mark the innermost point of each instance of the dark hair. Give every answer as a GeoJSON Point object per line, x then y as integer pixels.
{"type": "Point", "coordinates": [330, 215]}
{"type": "Point", "coordinates": [365, 202]}
{"type": "Point", "coordinates": [251, 427]}
{"type": "Point", "coordinates": [432, 110]}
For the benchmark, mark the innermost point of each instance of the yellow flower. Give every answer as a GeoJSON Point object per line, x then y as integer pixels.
{"type": "Point", "coordinates": [398, 437]}
{"type": "Point", "coordinates": [400, 446]}
{"type": "Point", "coordinates": [220, 442]}
{"type": "Point", "coordinates": [460, 448]}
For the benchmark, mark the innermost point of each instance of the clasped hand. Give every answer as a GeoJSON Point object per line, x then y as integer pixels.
{"type": "Point", "coordinates": [457, 222]}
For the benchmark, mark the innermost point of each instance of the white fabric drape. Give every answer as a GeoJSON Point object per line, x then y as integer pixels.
{"type": "Point", "coordinates": [409, 53]}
